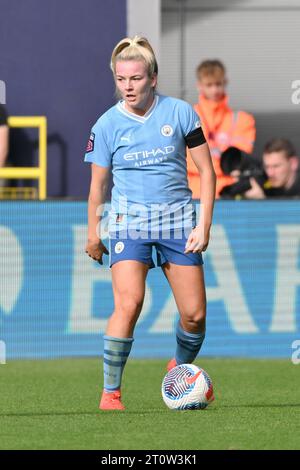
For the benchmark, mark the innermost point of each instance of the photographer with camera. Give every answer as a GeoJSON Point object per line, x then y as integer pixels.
{"type": "Point", "coordinates": [246, 172]}
{"type": "Point", "coordinates": [278, 177]}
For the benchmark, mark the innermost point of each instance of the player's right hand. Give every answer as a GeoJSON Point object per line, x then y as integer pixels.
{"type": "Point", "coordinates": [95, 250]}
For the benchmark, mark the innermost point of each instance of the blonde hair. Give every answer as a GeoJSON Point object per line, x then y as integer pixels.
{"type": "Point", "coordinates": [136, 48]}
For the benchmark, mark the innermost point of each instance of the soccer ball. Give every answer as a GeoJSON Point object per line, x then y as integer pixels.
{"type": "Point", "coordinates": [187, 387]}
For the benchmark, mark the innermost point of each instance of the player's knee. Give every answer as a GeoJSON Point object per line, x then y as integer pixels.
{"type": "Point", "coordinates": [194, 317]}
{"type": "Point", "coordinates": [130, 307]}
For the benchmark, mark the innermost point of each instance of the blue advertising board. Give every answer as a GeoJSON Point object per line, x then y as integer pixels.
{"type": "Point", "coordinates": [55, 301]}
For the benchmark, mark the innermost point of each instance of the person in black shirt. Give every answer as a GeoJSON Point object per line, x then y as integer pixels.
{"type": "Point", "coordinates": [282, 169]}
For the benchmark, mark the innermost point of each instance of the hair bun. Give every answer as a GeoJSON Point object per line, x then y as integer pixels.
{"type": "Point", "coordinates": [136, 48]}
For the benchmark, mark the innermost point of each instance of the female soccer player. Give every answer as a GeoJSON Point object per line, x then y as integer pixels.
{"type": "Point", "coordinates": [143, 139]}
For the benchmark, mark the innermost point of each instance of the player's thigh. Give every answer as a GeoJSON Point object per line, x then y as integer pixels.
{"type": "Point", "coordinates": [188, 287]}
{"type": "Point", "coordinates": [128, 283]}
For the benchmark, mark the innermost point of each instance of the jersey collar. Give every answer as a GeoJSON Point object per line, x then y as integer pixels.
{"type": "Point", "coordinates": [135, 117]}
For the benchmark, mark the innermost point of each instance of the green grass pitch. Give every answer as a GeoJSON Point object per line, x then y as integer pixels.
{"type": "Point", "coordinates": [54, 405]}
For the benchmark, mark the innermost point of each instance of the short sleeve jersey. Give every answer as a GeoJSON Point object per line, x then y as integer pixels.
{"type": "Point", "coordinates": [147, 153]}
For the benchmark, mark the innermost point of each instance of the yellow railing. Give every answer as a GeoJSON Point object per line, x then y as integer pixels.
{"type": "Point", "coordinates": [39, 172]}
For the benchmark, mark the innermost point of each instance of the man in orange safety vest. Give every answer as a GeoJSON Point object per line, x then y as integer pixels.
{"type": "Point", "coordinates": [222, 126]}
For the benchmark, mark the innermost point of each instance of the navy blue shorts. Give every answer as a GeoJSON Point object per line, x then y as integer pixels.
{"type": "Point", "coordinates": [167, 250]}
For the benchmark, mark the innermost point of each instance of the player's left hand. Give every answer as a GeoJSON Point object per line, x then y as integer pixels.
{"type": "Point", "coordinates": [197, 241]}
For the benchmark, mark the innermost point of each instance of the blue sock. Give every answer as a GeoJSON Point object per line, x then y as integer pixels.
{"type": "Point", "coordinates": [116, 352]}
{"type": "Point", "coordinates": [188, 345]}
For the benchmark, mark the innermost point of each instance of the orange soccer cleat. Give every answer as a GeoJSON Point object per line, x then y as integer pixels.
{"type": "Point", "coordinates": [111, 401]}
{"type": "Point", "coordinates": [171, 364]}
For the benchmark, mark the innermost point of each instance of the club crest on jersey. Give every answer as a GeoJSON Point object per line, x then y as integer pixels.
{"type": "Point", "coordinates": [167, 130]}
{"type": "Point", "coordinates": [90, 144]}
{"type": "Point", "coordinates": [119, 247]}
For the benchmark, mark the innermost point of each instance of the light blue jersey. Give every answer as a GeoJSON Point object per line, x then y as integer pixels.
{"type": "Point", "coordinates": [147, 155]}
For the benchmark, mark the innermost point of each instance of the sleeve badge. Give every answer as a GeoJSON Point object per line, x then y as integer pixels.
{"type": "Point", "coordinates": [90, 144]}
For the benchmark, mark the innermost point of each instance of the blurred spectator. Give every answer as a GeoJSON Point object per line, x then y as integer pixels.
{"type": "Point", "coordinates": [282, 169]}
{"type": "Point", "coordinates": [222, 126]}
{"type": "Point", "coordinates": [3, 141]}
